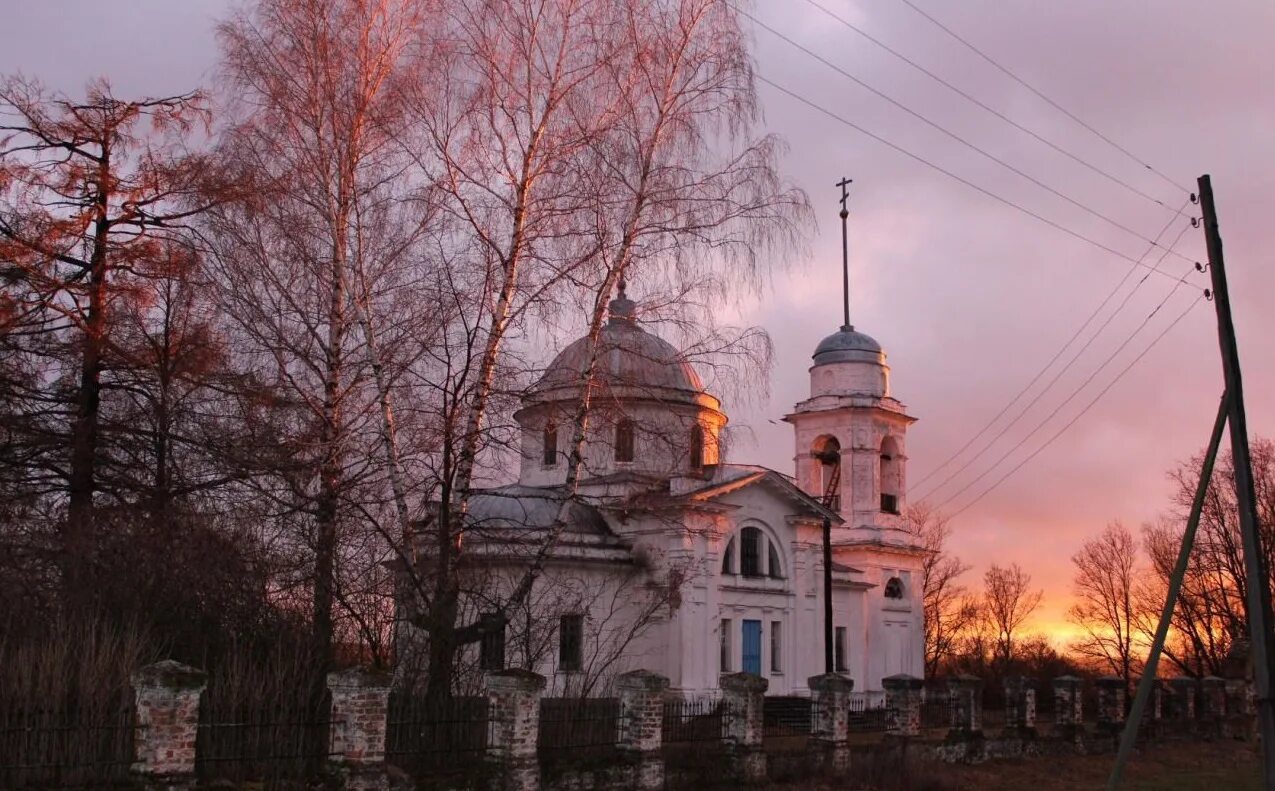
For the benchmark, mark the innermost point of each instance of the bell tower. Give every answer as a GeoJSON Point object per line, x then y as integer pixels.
{"type": "Point", "coordinates": [852, 420]}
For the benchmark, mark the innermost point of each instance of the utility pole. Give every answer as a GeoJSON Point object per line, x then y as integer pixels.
{"type": "Point", "coordinates": [1258, 603]}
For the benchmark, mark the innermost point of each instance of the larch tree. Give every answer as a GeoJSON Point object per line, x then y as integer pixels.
{"type": "Point", "coordinates": [93, 191]}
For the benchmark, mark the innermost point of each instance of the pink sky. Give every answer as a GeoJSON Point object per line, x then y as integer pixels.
{"type": "Point", "coordinates": [969, 297]}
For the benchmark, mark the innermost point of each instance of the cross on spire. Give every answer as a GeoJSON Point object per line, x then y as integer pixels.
{"type": "Point", "coordinates": [844, 184]}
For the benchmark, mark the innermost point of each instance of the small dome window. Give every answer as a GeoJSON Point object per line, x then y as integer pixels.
{"type": "Point", "coordinates": [894, 588]}
{"type": "Point", "coordinates": [549, 445]}
{"type": "Point", "coordinates": [697, 447]}
{"type": "Point", "coordinates": [624, 440]}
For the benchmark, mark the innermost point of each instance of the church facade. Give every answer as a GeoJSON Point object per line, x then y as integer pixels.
{"type": "Point", "coordinates": [676, 560]}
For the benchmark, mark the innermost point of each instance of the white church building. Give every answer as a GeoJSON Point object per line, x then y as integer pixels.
{"type": "Point", "coordinates": [677, 561]}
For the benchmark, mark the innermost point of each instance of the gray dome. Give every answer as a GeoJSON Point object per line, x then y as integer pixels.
{"type": "Point", "coordinates": [629, 357]}
{"type": "Point", "coordinates": [847, 345]}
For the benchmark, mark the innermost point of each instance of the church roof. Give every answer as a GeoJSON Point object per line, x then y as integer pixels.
{"type": "Point", "coordinates": [729, 478]}
{"type": "Point", "coordinates": [532, 508]}
{"type": "Point", "coordinates": [848, 345]}
{"type": "Point", "coordinates": [628, 357]}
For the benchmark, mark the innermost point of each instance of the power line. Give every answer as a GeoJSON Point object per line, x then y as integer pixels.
{"type": "Point", "coordinates": [1074, 393]}
{"type": "Point", "coordinates": [939, 127]}
{"type": "Point", "coordinates": [867, 133]}
{"type": "Point", "coordinates": [1026, 388]}
{"type": "Point", "coordinates": [976, 101]}
{"type": "Point", "coordinates": [1042, 96]}
{"type": "Point", "coordinates": [1082, 412]}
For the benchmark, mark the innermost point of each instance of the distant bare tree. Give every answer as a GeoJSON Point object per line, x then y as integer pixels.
{"type": "Point", "coordinates": [1107, 605]}
{"type": "Point", "coordinates": [949, 609]}
{"type": "Point", "coordinates": [1008, 601]}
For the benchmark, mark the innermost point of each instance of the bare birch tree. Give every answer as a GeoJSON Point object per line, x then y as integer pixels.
{"type": "Point", "coordinates": [1008, 601]}
{"type": "Point", "coordinates": [950, 611]}
{"type": "Point", "coordinates": [1106, 605]}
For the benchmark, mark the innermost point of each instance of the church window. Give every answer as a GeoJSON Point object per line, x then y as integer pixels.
{"type": "Point", "coordinates": [839, 650]}
{"type": "Point", "coordinates": [624, 440]}
{"type": "Point", "coordinates": [491, 651]}
{"type": "Point", "coordinates": [890, 475]}
{"type": "Point", "coordinates": [776, 647]}
{"type": "Point", "coordinates": [894, 588]}
{"type": "Point", "coordinates": [725, 645]}
{"type": "Point", "coordinates": [773, 567]}
{"type": "Point", "coordinates": [728, 558]}
{"type": "Point", "coordinates": [571, 642]}
{"type": "Point", "coordinates": [750, 552]}
{"type": "Point", "coordinates": [550, 445]}
{"type": "Point", "coordinates": [697, 447]}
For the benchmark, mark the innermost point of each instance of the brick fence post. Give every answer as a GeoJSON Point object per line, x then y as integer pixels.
{"type": "Point", "coordinates": [1069, 719]}
{"type": "Point", "coordinates": [642, 724]}
{"type": "Point", "coordinates": [359, 720]}
{"type": "Point", "coordinates": [744, 696]}
{"type": "Point", "coordinates": [830, 720]}
{"type": "Point", "coordinates": [166, 696]}
{"type": "Point", "coordinates": [967, 707]}
{"type": "Point", "coordinates": [513, 710]}
{"type": "Point", "coordinates": [1111, 698]}
{"type": "Point", "coordinates": [903, 704]}
{"type": "Point", "coordinates": [1241, 720]}
{"type": "Point", "coordinates": [1020, 706]}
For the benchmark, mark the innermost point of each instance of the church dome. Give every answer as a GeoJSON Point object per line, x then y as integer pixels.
{"type": "Point", "coordinates": [848, 346]}
{"type": "Point", "coordinates": [629, 357]}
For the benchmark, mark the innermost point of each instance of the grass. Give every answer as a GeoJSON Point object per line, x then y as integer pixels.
{"type": "Point", "coordinates": [1216, 766]}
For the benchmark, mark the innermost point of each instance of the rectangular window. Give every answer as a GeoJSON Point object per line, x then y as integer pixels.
{"type": "Point", "coordinates": [491, 651]}
{"type": "Point", "coordinates": [624, 440]}
{"type": "Point", "coordinates": [776, 647]}
{"type": "Point", "coordinates": [570, 642]}
{"type": "Point", "coordinates": [839, 650]}
{"type": "Point", "coordinates": [890, 503]}
{"type": "Point", "coordinates": [725, 647]}
{"type": "Point", "coordinates": [549, 454]}
{"type": "Point", "coordinates": [750, 552]}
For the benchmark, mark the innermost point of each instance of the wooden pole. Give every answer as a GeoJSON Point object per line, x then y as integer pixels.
{"type": "Point", "coordinates": [1130, 734]}
{"type": "Point", "coordinates": [1258, 600]}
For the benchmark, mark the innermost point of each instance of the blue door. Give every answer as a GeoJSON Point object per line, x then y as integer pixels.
{"type": "Point", "coordinates": [752, 648]}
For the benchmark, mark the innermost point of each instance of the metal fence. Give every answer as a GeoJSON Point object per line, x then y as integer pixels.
{"type": "Point", "coordinates": [577, 732]}
{"type": "Point", "coordinates": [439, 740]}
{"type": "Point", "coordinates": [786, 716]}
{"type": "Point", "coordinates": [868, 712]}
{"type": "Point", "coordinates": [696, 720]}
{"type": "Point", "coordinates": [274, 744]}
{"type": "Point", "coordinates": [65, 747]}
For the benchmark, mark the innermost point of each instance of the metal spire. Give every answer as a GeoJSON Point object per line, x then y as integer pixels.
{"type": "Point", "coordinates": [845, 254]}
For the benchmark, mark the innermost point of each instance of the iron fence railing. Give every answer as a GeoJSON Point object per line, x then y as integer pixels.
{"type": "Point", "coordinates": [868, 712]}
{"type": "Point", "coordinates": [263, 743]}
{"type": "Point", "coordinates": [436, 738]}
{"type": "Point", "coordinates": [694, 720]}
{"type": "Point", "coordinates": [65, 746]}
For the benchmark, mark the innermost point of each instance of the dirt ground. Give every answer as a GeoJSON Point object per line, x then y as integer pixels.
{"type": "Point", "coordinates": [1187, 766]}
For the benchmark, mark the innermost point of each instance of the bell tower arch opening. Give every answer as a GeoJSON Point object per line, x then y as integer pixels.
{"type": "Point", "coordinates": [891, 476]}
{"type": "Point", "coordinates": [826, 453]}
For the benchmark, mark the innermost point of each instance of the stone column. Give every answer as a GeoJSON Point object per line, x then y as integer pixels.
{"type": "Point", "coordinates": [1020, 706]}
{"type": "Point", "coordinates": [830, 720]}
{"type": "Point", "coordinates": [1111, 697]}
{"type": "Point", "coordinates": [1212, 709]}
{"type": "Point", "coordinates": [642, 723]}
{"type": "Point", "coordinates": [743, 697]}
{"type": "Point", "coordinates": [166, 696]}
{"type": "Point", "coordinates": [903, 704]}
{"type": "Point", "coordinates": [1069, 721]}
{"type": "Point", "coordinates": [360, 712]}
{"type": "Point", "coordinates": [967, 707]}
{"type": "Point", "coordinates": [513, 712]}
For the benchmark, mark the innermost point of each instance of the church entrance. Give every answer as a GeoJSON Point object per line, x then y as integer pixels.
{"type": "Point", "coordinates": [751, 645]}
